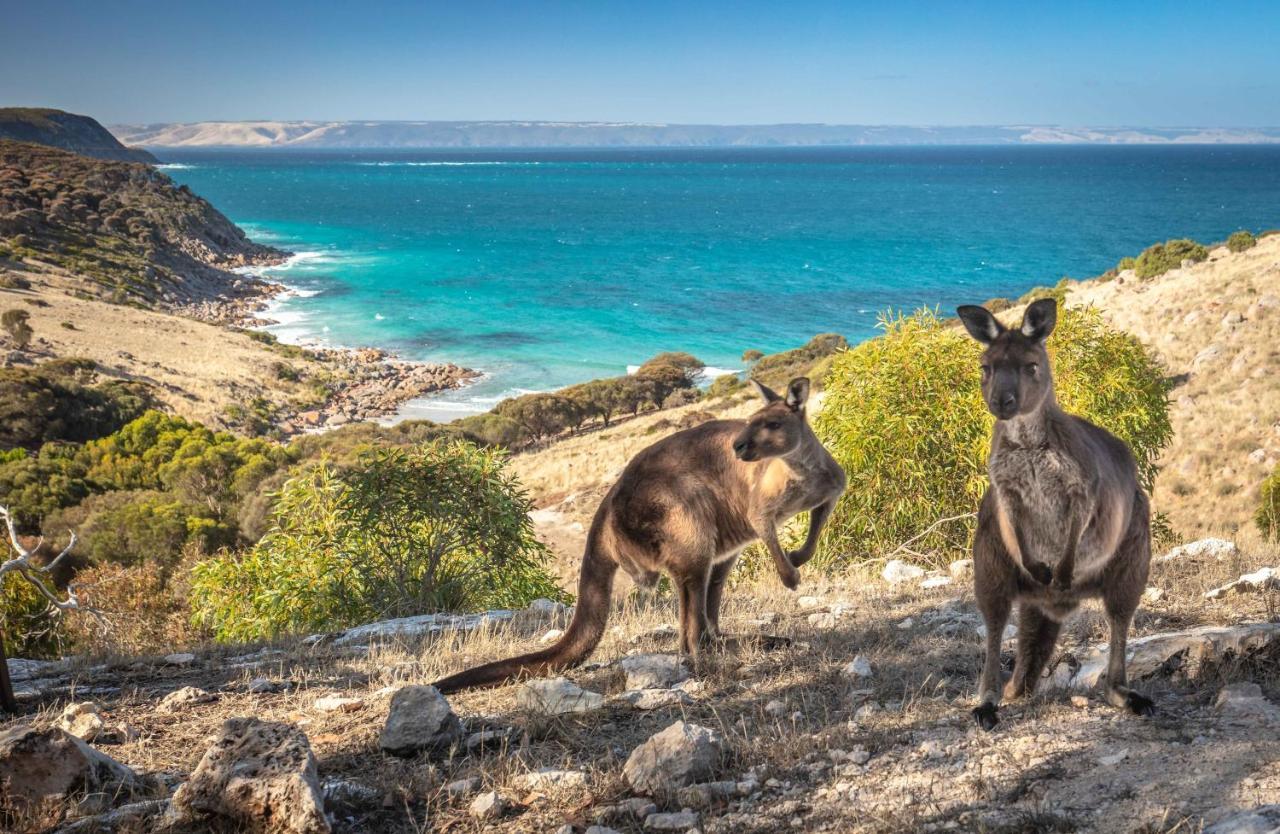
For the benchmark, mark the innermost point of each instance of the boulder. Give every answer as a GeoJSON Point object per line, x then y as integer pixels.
{"type": "Point", "coordinates": [857, 669]}
{"type": "Point", "coordinates": [650, 699]}
{"type": "Point", "coordinates": [557, 696]}
{"type": "Point", "coordinates": [37, 766]}
{"type": "Point", "coordinates": [82, 721]}
{"type": "Point", "coordinates": [488, 806]}
{"type": "Point", "coordinates": [1218, 549]}
{"type": "Point", "coordinates": [680, 755]}
{"type": "Point", "coordinates": [898, 572]}
{"type": "Point", "coordinates": [259, 774]}
{"type": "Point", "coordinates": [420, 719]}
{"type": "Point", "coordinates": [183, 698]}
{"type": "Point", "coordinates": [551, 779]}
{"type": "Point", "coordinates": [1244, 702]}
{"type": "Point", "coordinates": [1187, 650]}
{"type": "Point", "coordinates": [653, 671]}
{"type": "Point", "coordinates": [1265, 579]}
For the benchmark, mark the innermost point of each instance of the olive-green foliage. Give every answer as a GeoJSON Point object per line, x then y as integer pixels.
{"type": "Point", "coordinates": [25, 625]}
{"type": "Point", "coordinates": [1267, 516]}
{"type": "Point", "coordinates": [439, 527]}
{"type": "Point", "coordinates": [1126, 263]}
{"type": "Point", "coordinates": [1162, 257]}
{"type": "Point", "coordinates": [810, 359]}
{"type": "Point", "coordinates": [1058, 292]}
{"type": "Point", "coordinates": [725, 385]}
{"type": "Point", "coordinates": [34, 485]}
{"type": "Point", "coordinates": [134, 527]}
{"type": "Point", "coordinates": [62, 400]}
{"type": "Point", "coordinates": [905, 418]}
{"type": "Point", "coordinates": [1241, 240]}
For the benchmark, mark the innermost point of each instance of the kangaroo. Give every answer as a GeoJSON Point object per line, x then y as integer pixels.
{"type": "Point", "coordinates": [1063, 520]}
{"type": "Point", "coordinates": [687, 506]}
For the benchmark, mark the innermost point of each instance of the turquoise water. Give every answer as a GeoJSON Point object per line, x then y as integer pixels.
{"type": "Point", "coordinates": [548, 268]}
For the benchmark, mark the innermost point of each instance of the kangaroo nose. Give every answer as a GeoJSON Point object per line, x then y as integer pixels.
{"type": "Point", "coordinates": [1007, 402]}
{"type": "Point", "coordinates": [740, 446]}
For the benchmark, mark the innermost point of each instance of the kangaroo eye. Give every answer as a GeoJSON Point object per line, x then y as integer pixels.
{"type": "Point", "coordinates": [773, 425]}
{"type": "Point", "coordinates": [1032, 368]}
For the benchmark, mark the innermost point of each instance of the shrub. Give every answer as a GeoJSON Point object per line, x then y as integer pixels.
{"type": "Point", "coordinates": [15, 323]}
{"type": "Point", "coordinates": [141, 527]}
{"type": "Point", "coordinates": [1268, 515]}
{"type": "Point", "coordinates": [146, 605]}
{"type": "Point", "coordinates": [1162, 257]}
{"type": "Point", "coordinates": [440, 527]}
{"type": "Point", "coordinates": [1241, 240]}
{"type": "Point", "coordinates": [726, 384]}
{"type": "Point", "coordinates": [25, 626]}
{"type": "Point", "coordinates": [810, 359]}
{"type": "Point", "coordinates": [905, 418]}
{"type": "Point", "coordinates": [1126, 263]}
{"type": "Point", "coordinates": [61, 400]}
{"type": "Point", "coordinates": [681, 396]}
{"type": "Point", "coordinates": [10, 281]}
{"type": "Point", "coordinates": [752, 355]}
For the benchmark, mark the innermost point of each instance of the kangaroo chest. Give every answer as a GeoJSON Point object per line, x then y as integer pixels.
{"type": "Point", "coordinates": [1040, 492]}
{"type": "Point", "coordinates": [792, 490]}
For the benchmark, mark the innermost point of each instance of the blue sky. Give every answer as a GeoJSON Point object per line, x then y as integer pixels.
{"type": "Point", "coordinates": [953, 63]}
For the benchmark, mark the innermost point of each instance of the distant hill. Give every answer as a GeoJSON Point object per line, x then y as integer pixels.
{"type": "Point", "coordinates": [57, 129]}
{"type": "Point", "coordinates": [511, 134]}
{"type": "Point", "coordinates": [124, 229]}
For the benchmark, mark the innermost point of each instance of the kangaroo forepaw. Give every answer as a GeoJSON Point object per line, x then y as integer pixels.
{"type": "Point", "coordinates": [1139, 704]}
{"type": "Point", "coordinates": [790, 578]}
{"type": "Point", "coordinates": [798, 557]}
{"type": "Point", "coordinates": [987, 716]}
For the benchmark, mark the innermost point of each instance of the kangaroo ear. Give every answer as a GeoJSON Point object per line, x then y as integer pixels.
{"type": "Point", "coordinates": [1038, 321]}
{"type": "Point", "coordinates": [766, 393]}
{"type": "Point", "coordinates": [797, 393]}
{"type": "Point", "coordinates": [980, 323]}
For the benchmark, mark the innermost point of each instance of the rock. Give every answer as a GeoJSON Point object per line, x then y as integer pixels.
{"type": "Point", "coordinates": [936, 582]}
{"type": "Point", "coordinates": [488, 806]}
{"type": "Point", "coordinates": [1265, 819]}
{"type": "Point", "coordinates": [82, 721]}
{"type": "Point", "coordinates": [653, 671]}
{"type": "Point", "coordinates": [262, 686]}
{"type": "Point", "coordinates": [183, 698]}
{"type": "Point", "coordinates": [666, 631]}
{"type": "Point", "coordinates": [635, 808]}
{"type": "Point", "coordinates": [557, 696]}
{"type": "Point", "coordinates": [180, 659]}
{"type": "Point", "coordinates": [931, 749]}
{"type": "Point", "coordinates": [1166, 651]}
{"type": "Point", "coordinates": [897, 572]}
{"type": "Point", "coordinates": [420, 626]}
{"type": "Point", "coordinates": [462, 787]}
{"type": "Point", "coordinates": [39, 767]}
{"type": "Point", "coordinates": [485, 738]}
{"type": "Point", "coordinates": [1113, 758]}
{"type": "Point", "coordinates": [1010, 631]}
{"type": "Point", "coordinates": [1245, 702]}
{"type": "Point", "coordinates": [1152, 594]}
{"type": "Point", "coordinates": [708, 794]}
{"type": "Point", "coordinates": [1203, 549]}
{"type": "Point", "coordinates": [260, 774]}
{"type": "Point", "coordinates": [547, 607]}
{"type": "Point", "coordinates": [824, 620]}
{"type": "Point", "coordinates": [678, 821]}
{"type": "Point", "coordinates": [651, 699]}
{"type": "Point", "coordinates": [420, 719]}
{"type": "Point", "coordinates": [551, 635]}
{"type": "Point", "coordinates": [961, 570]}
{"type": "Point", "coordinates": [551, 779]}
{"type": "Point", "coordinates": [678, 756]}
{"type": "Point", "coordinates": [136, 816]}
{"type": "Point", "coordinates": [600, 829]}
{"type": "Point", "coordinates": [350, 795]}
{"type": "Point", "coordinates": [857, 668]}
{"type": "Point", "coordinates": [338, 703]}
{"type": "Point", "coordinates": [1264, 579]}
{"type": "Point", "coordinates": [808, 602]}
{"type": "Point", "coordinates": [775, 708]}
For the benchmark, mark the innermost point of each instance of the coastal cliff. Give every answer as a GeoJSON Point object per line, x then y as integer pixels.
{"type": "Point", "coordinates": [68, 131]}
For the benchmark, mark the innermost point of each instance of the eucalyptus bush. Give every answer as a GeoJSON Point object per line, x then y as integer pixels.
{"type": "Point", "coordinates": [438, 527]}
{"type": "Point", "coordinates": [1162, 257]}
{"type": "Point", "coordinates": [905, 418]}
{"type": "Point", "coordinates": [1241, 240]}
{"type": "Point", "coordinates": [1267, 516]}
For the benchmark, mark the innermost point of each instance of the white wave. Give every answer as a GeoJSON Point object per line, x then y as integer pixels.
{"type": "Point", "coordinates": [378, 317]}
{"type": "Point", "coordinates": [710, 372]}
{"type": "Point", "coordinates": [174, 166]}
{"type": "Point", "coordinates": [441, 164]}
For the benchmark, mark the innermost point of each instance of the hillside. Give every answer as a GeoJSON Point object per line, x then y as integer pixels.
{"type": "Point", "coordinates": [126, 230]}
{"type": "Point", "coordinates": [533, 134]}
{"type": "Point", "coordinates": [58, 129]}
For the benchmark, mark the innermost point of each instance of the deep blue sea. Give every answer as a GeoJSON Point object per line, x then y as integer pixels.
{"type": "Point", "coordinates": [544, 268]}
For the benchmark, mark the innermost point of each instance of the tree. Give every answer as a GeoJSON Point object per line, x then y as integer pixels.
{"type": "Point", "coordinates": [33, 579]}
{"type": "Point", "coordinates": [15, 324]}
{"type": "Point", "coordinates": [439, 527]}
{"type": "Point", "coordinates": [752, 355]}
{"type": "Point", "coordinates": [688, 366]}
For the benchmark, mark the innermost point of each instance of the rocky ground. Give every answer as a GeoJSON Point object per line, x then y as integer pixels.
{"type": "Point", "coordinates": [861, 724]}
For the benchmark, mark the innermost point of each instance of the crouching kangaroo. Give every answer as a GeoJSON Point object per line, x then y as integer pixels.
{"type": "Point", "coordinates": [687, 506]}
{"type": "Point", "coordinates": [1063, 520]}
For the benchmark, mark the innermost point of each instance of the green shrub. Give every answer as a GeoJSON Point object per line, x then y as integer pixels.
{"type": "Point", "coordinates": [905, 418]}
{"type": "Point", "coordinates": [1241, 240]}
{"type": "Point", "coordinates": [62, 400]}
{"type": "Point", "coordinates": [725, 385]}
{"type": "Point", "coordinates": [1126, 263]}
{"type": "Point", "coordinates": [25, 624]}
{"type": "Point", "coordinates": [810, 359]}
{"type": "Point", "coordinates": [440, 527]}
{"type": "Point", "coordinates": [1268, 515]}
{"type": "Point", "coordinates": [1162, 257]}
{"type": "Point", "coordinates": [141, 527]}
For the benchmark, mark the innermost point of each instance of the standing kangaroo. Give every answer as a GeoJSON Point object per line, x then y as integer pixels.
{"type": "Point", "coordinates": [1064, 518]}
{"type": "Point", "coordinates": [687, 506]}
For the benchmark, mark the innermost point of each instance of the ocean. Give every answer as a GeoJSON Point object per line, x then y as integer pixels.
{"type": "Point", "coordinates": [545, 268]}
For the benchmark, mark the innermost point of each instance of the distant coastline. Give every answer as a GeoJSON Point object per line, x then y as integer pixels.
{"type": "Point", "coordinates": [392, 135]}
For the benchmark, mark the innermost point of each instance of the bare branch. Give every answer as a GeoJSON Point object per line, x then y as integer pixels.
{"type": "Point", "coordinates": [22, 565]}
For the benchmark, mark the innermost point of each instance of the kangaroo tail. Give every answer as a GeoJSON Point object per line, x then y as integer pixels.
{"type": "Point", "coordinates": [595, 587]}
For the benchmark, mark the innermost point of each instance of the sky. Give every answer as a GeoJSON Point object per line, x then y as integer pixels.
{"type": "Point", "coordinates": [1118, 63]}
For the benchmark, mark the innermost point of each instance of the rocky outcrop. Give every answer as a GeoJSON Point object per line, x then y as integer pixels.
{"type": "Point", "coordinates": [420, 720]}
{"type": "Point", "coordinates": [260, 774]}
{"type": "Point", "coordinates": [680, 755]}
{"type": "Point", "coordinates": [68, 131]}
{"type": "Point", "coordinates": [557, 696]}
{"type": "Point", "coordinates": [40, 766]}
